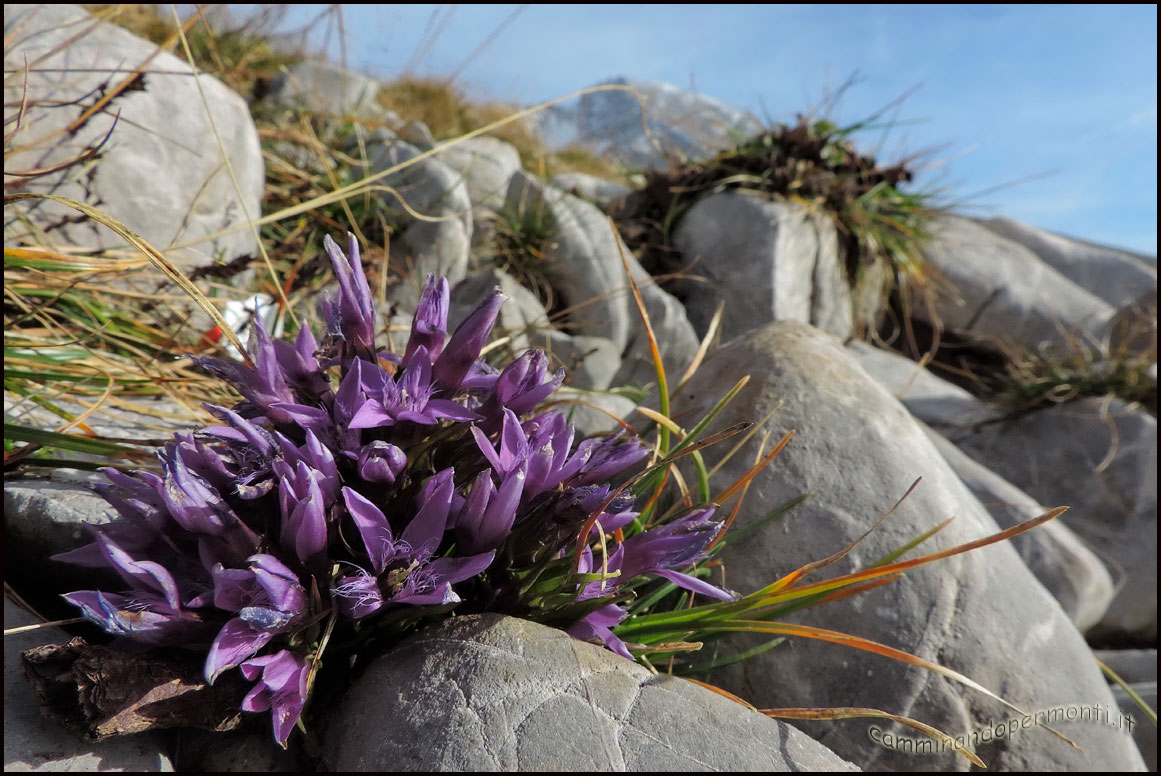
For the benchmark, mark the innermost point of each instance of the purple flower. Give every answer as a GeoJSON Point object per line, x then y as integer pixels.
{"type": "Point", "coordinates": [150, 612]}
{"type": "Point", "coordinates": [549, 460]}
{"type": "Point", "coordinates": [487, 515]}
{"type": "Point", "coordinates": [264, 384]}
{"type": "Point", "coordinates": [355, 307]}
{"type": "Point", "coordinates": [303, 508]}
{"type": "Point", "coordinates": [429, 326]}
{"type": "Point", "coordinates": [599, 625]}
{"type": "Point", "coordinates": [404, 570]}
{"type": "Point", "coordinates": [282, 689]}
{"type": "Point", "coordinates": [269, 600]}
{"type": "Point", "coordinates": [521, 385]}
{"type": "Point", "coordinates": [318, 458]}
{"type": "Point", "coordinates": [609, 458]}
{"type": "Point", "coordinates": [463, 349]}
{"type": "Point", "coordinates": [512, 451]}
{"type": "Point", "coordinates": [381, 462]}
{"type": "Point", "coordinates": [674, 545]}
{"type": "Point", "coordinates": [410, 399]}
{"type": "Point", "coordinates": [300, 367]}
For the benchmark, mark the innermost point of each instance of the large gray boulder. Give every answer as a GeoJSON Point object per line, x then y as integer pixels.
{"type": "Point", "coordinates": [927, 397]}
{"type": "Point", "coordinates": [44, 517]}
{"type": "Point", "coordinates": [34, 743]}
{"type": "Point", "coordinates": [487, 164]}
{"type": "Point", "coordinates": [431, 202]}
{"type": "Point", "coordinates": [585, 267]}
{"type": "Point", "coordinates": [161, 173]}
{"type": "Point", "coordinates": [1115, 276]}
{"type": "Point", "coordinates": [494, 693]}
{"type": "Point", "coordinates": [998, 289]}
{"type": "Point", "coordinates": [321, 87]}
{"type": "Point", "coordinates": [664, 124]}
{"type": "Point", "coordinates": [769, 260]}
{"type": "Point", "coordinates": [1060, 559]}
{"type": "Point", "coordinates": [590, 363]}
{"type": "Point", "coordinates": [983, 613]}
{"type": "Point", "coordinates": [1100, 457]}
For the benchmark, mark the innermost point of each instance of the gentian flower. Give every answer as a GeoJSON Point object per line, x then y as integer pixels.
{"type": "Point", "coordinates": [352, 314]}
{"type": "Point", "coordinates": [429, 326]}
{"type": "Point", "coordinates": [673, 545]}
{"type": "Point", "coordinates": [463, 349]}
{"type": "Point", "coordinates": [269, 600]}
{"type": "Point", "coordinates": [304, 523]}
{"type": "Point", "coordinates": [151, 612]}
{"type": "Point", "coordinates": [280, 690]}
{"type": "Point", "coordinates": [410, 399]}
{"type": "Point", "coordinates": [521, 386]}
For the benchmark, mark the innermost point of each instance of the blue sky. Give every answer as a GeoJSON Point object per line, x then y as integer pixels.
{"type": "Point", "coordinates": [1063, 98]}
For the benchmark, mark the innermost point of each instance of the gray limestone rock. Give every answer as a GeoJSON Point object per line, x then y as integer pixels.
{"type": "Point", "coordinates": [769, 260]}
{"type": "Point", "coordinates": [1113, 275]}
{"type": "Point", "coordinates": [595, 419]}
{"type": "Point", "coordinates": [1132, 665]}
{"type": "Point", "coordinates": [494, 693]}
{"type": "Point", "coordinates": [487, 164]}
{"type": "Point", "coordinates": [926, 396]}
{"type": "Point", "coordinates": [522, 314]}
{"type": "Point", "coordinates": [998, 289]}
{"type": "Point", "coordinates": [585, 267]}
{"type": "Point", "coordinates": [599, 191]}
{"type": "Point", "coordinates": [322, 87]}
{"type": "Point", "coordinates": [1060, 559]}
{"type": "Point", "coordinates": [590, 363]}
{"type": "Point", "coordinates": [983, 613]}
{"type": "Point", "coordinates": [161, 172]}
{"type": "Point", "coordinates": [431, 201]}
{"type": "Point", "coordinates": [250, 750]}
{"type": "Point", "coordinates": [34, 743]}
{"type": "Point", "coordinates": [1098, 456]}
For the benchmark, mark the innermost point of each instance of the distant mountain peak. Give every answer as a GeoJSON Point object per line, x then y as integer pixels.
{"type": "Point", "coordinates": [678, 123]}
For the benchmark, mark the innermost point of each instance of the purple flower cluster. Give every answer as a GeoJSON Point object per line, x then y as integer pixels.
{"type": "Point", "coordinates": [352, 482]}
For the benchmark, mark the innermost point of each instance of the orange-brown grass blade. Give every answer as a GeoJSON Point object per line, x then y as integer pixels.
{"type": "Point", "coordinates": [744, 480]}
{"type": "Point", "coordinates": [894, 568]}
{"type": "Point", "coordinates": [913, 543]}
{"type": "Point", "coordinates": [857, 642]}
{"type": "Point", "coordinates": [855, 712]}
{"type": "Point", "coordinates": [582, 402]}
{"type": "Point", "coordinates": [846, 592]}
{"type": "Point", "coordinates": [703, 348]}
{"type": "Point", "coordinates": [662, 383]}
{"type": "Point", "coordinates": [723, 693]}
{"type": "Point", "coordinates": [738, 504]}
{"type": "Point", "coordinates": [797, 574]}
{"type": "Point", "coordinates": [151, 253]}
{"type": "Point", "coordinates": [673, 646]}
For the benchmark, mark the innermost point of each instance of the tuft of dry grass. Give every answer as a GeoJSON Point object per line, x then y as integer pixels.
{"type": "Point", "coordinates": [238, 51]}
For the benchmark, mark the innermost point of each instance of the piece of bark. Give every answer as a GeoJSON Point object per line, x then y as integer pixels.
{"type": "Point", "coordinates": [102, 693]}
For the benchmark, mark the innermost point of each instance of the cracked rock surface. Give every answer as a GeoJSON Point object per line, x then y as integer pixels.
{"type": "Point", "coordinates": [487, 692]}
